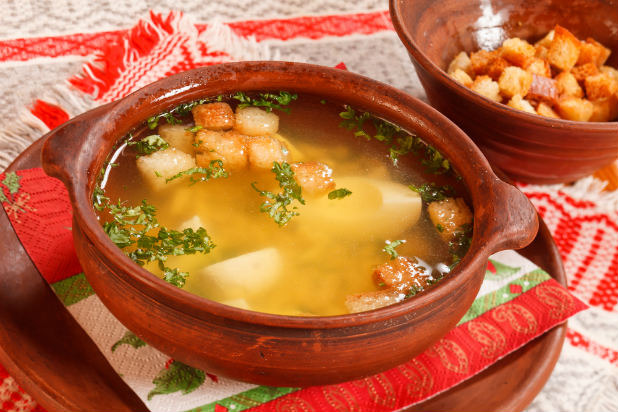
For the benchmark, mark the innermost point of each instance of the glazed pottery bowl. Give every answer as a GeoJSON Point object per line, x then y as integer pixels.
{"type": "Point", "coordinates": [527, 147]}
{"type": "Point", "coordinates": [265, 348]}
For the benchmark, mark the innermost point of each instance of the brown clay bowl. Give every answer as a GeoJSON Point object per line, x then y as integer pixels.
{"type": "Point", "coordinates": [264, 348]}
{"type": "Point", "coordinates": [527, 147]}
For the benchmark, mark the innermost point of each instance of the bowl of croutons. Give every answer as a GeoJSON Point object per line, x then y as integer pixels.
{"type": "Point", "coordinates": [534, 84]}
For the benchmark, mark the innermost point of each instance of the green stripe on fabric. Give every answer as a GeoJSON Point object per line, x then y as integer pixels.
{"type": "Point", "coordinates": [72, 290]}
{"type": "Point", "coordinates": [503, 295]}
{"type": "Point", "coordinates": [248, 399]}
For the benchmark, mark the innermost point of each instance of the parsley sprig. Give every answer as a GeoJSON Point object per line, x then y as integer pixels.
{"type": "Point", "coordinates": [149, 144]}
{"type": "Point", "coordinates": [268, 101]}
{"type": "Point", "coordinates": [171, 116]}
{"type": "Point", "coordinates": [390, 247]}
{"type": "Point", "coordinates": [432, 192]}
{"type": "Point", "coordinates": [214, 170]}
{"type": "Point", "coordinates": [276, 204]}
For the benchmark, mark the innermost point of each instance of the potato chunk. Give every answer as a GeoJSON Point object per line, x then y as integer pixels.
{"type": "Point", "coordinates": [572, 108]}
{"type": "Point", "coordinates": [484, 86]}
{"type": "Point", "coordinates": [314, 178]}
{"type": "Point", "coordinates": [264, 150]}
{"type": "Point", "coordinates": [177, 136]}
{"type": "Point", "coordinates": [229, 147]}
{"type": "Point", "coordinates": [403, 273]}
{"type": "Point", "coordinates": [253, 121]}
{"type": "Point", "coordinates": [567, 85]}
{"type": "Point", "coordinates": [519, 103]}
{"type": "Point", "coordinates": [362, 302]}
{"type": "Point", "coordinates": [214, 116]}
{"type": "Point", "coordinates": [517, 51]}
{"type": "Point", "coordinates": [161, 165]}
{"type": "Point", "coordinates": [564, 49]}
{"type": "Point", "coordinates": [461, 77]}
{"type": "Point", "coordinates": [451, 214]}
{"type": "Point", "coordinates": [515, 81]}
{"type": "Point", "coordinates": [460, 62]}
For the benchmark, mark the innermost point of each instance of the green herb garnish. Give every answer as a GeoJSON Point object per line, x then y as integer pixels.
{"type": "Point", "coordinates": [432, 192]}
{"type": "Point", "coordinates": [390, 247]}
{"type": "Point", "coordinates": [268, 101]}
{"type": "Point", "coordinates": [180, 110]}
{"type": "Point", "coordinates": [413, 291]}
{"type": "Point", "coordinates": [439, 228]}
{"type": "Point", "coordinates": [339, 193]}
{"type": "Point", "coordinates": [149, 144]}
{"type": "Point", "coordinates": [276, 205]}
{"type": "Point", "coordinates": [214, 170]}
{"type": "Point", "coordinates": [460, 243]}
{"type": "Point", "coordinates": [194, 129]}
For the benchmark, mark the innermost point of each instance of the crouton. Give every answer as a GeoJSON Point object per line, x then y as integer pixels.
{"type": "Point", "coordinates": [213, 116]}
{"type": "Point", "coordinates": [564, 49]}
{"type": "Point", "coordinates": [600, 86]}
{"type": "Point", "coordinates": [592, 51]}
{"type": "Point", "coordinates": [177, 136]}
{"type": "Point", "coordinates": [541, 52]}
{"type": "Point", "coordinates": [545, 41]}
{"type": "Point", "coordinates": [480, 60]}
{"type": "Point", "coordinates": [514, 81]}
{"type": "Point", "coordinates": [450, 214]}
{"type": "Point", "coordinates": [610, 71]}
{"type": "Point", "coordinates": [461, 77]}
{"type": "Point", "coordinates": [538, 67]}
{"type": "Point", "coordinates": [568, 86]}
{"type": "Point", "coordinates": [573, 108]}
{"type": "Point", "coordinates": [402, 273]}
{"type": "Point", "coordinates": [229, 147]}
{"type": "Point", "coordinates": [314, 178]}
{"type": "Point", "coordinates": [604, 110]}
{"type": "Point", "coordinates": [519, 103]}
{"type": "Point", "coordinates": [262, 151]}
{"type": "Point", "coordinates": [585, 70]}
{"type": "Point", "coordinates": [496, 67]}
{"type": "Point", "coordinates": [517, 51]}
{"type": "Point", "coordinates": [543, 89]}
{"type": "Point", "coordinates": [460, 62]}
{"type": "Point", "coordinates": [484, 86]}
{"type": "Point", "coordinates": [253, 121]}
{"type": "Point", "coordinates": [156, 167]}
{"type": "Point", "coordinates": [361, 302]}
{"type": "Point", "coordinates": [544, 109]}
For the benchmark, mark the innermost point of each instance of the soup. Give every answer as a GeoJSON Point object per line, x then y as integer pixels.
{"type": "Point", "coordinates": [284, 204]}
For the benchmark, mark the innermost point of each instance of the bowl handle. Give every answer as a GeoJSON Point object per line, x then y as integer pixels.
{"type": "Point", "coordinates": [63, 144]}
{"type": "Point", "coordinates": [515, 222]}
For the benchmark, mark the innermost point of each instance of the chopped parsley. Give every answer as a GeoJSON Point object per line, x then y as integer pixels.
{"type": "Point", "coordinates": [390, 247]}
{"type": "Point", "coordinates": [339, 193]}
{"type": "Point", "coordinates": [194, 129]}
{"type": "Point", "coordinates": [268, 101]}
{"type": "Point", "coordinates": [460, 243]}
{"type": "Point", "coordinates": [439, 228]}
{"type": "Point", "coordinates": [180, 110]}
{"type": "Point", "coordinates": [276, 204]}
{"type": "Point", "coordinates": [431, 192]}
{"type": "Point", "coordinates": [412, 291]}
{"type": "Point", "coordinates": [214, 170]}
{"type": "Point", "coordinates": [149, 144]}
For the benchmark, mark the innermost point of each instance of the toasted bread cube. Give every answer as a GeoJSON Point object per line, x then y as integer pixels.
{"type": "Point", "coordinates": [541, 52]}
{"type": "Point", "coordinates": [229, 147]}
{"type": "Point", "coordinates": [161, 165]}
{"type": "Point", "coordinates": [517, 51]}
{"type": "Point", "coordinates": [585, 70]}
{"type": "Point", "coordinates": [253, 121]}
{"type": "Point", "coordinates": [460, 62]}
{"type": "Point", "coordinates": [593, 52]}
{"type": "Point", "coordinates": [545, 41]}
{"type": "Point", "coordinates": [214, 116]}
{"type": "Point", "coordinates": [544, 109]}
{"type": "Point", "coordinates": [451, 214]}
{"type": "Point", "coordinates": [564, 49]}
{"type": "Point", "coordinates": [568, 86]}
{"type": "Point", "coordinates": [484, 86]}
{"type": "Point", "coordinates": [604, 110]}
{"type": "Point", "coordinates": [402, 273]}
{"type": "Point", "coordinates": [361, 302]}
{"type": "Point", "coordinates": [610, 71]}
{"type": "Point", "coordinates": [572, 108]}
{"type": "Point", "coordinates": [514, 81]}
{"type": "Point", "coordinates": [496, 67]}
{"type": "Point", "coordinates": [600, 86]}
{"type": "Point", "coordinates": [480, 60]}
{"type": "Point", "coordinates": [461, 77]}
{"type": "Point", "coordinates": [538, 67]}
{"type": "Point", "coordinates": [264, 150]}
{"type": "Point", "coordinates": [314, 178]}
{"type": "Point", "coordinates": [519, 103]}
{"type": "Point", "coordinates": [177, 136]}
{"type": "Point", "coordinates": [543, 89]}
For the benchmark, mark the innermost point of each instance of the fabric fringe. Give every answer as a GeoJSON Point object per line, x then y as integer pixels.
{"type": "Point", "coordinates": [586, 189]}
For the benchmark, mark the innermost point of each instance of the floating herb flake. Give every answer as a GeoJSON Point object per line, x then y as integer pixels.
{"type": "Point", "coordinates": [432, 192]}
{"type": "Point", "coordinates": [214, 170]}
{"type": "Point", "coordinates": [268, 101]}
{"type": "Point", "coordinates": [149, 144]}
{"type": "Point", "coordinates": [339, 193]}
{"type": "Point", "coordinates": [390, 248]}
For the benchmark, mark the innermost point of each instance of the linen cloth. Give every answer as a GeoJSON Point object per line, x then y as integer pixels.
{"type": "Point", "coordinates": [584, 222]}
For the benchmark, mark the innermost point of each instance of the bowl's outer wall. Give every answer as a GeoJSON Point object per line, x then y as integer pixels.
{"type": "Point", "coordinates": [270, 349]}
{"type": "Point", "coordinates": [529, 148]}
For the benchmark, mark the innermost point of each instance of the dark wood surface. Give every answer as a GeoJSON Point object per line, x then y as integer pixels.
{"type": "Point", "coordinates": [41, 345]}
{"type": "Point", "coordinates": [71, 374]}
{"type": "Point", "coordinates": [527, 147]}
